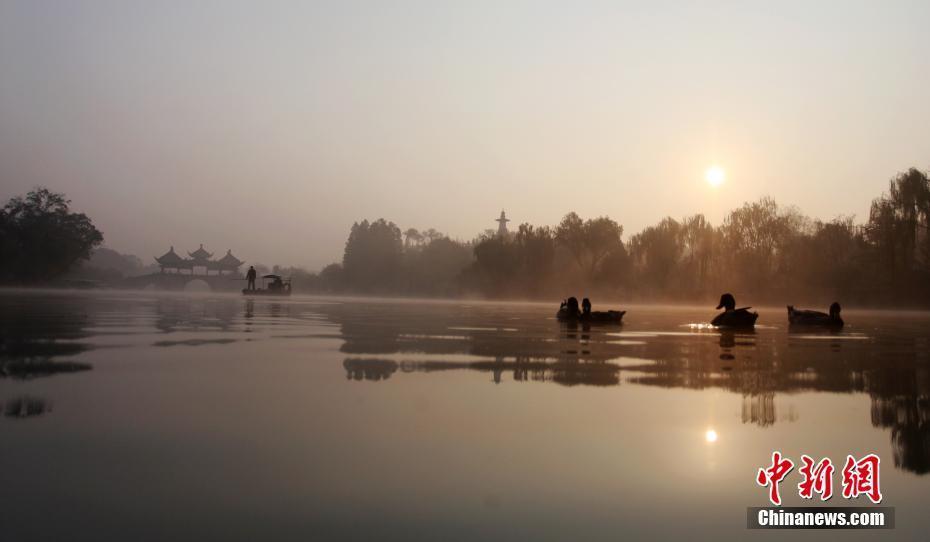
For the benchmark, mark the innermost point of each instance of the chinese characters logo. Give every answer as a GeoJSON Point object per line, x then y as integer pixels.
{"type": "Point", "coordinates": [859, 477]}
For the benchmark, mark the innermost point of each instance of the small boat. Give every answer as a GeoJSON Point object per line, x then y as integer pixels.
{"type": "Point", "coordinates": [594, 317]}
{"type": "Point", "coordinates": [569, 312]}
{"type": "Point", "coordinates": [278, 286]}
{"type": "Point", "coordinates": [798, 317]}
{"type": "Point", "coordinates": [731, 316]}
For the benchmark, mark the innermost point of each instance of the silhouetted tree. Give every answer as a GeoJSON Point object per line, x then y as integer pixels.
{"type": "Point", "coordinates": [658, 251]}
{"type": "Point", "coordinates": [536, 254]}
{"type": "Point", "coordinates": [412, 237]}
{"type": "Point", "coordinates": [754, 236]}
{"type": "Point", "coordinates": [589, 241]}
{"type": "Point", "coordinates": [332, 278]}
{"type": "Point", "coordinates": [431, 235]}
{"type": "Point", "coordinates": [373, 256]}
{"type": "Point", "coordinates": [909, 194]}
{"type": "Point", "coordinates": [434, 268]}
{"type": "Point", "coordinates": [496, 266]}
{"type": "Point", "coordinates": [770, 252]}
{"type": "Point", "coordinates": [899, 231]}
{"type": "Point", "coordinates": [701, 249]}
{"type": "Point", "coordinates": [40, 238]}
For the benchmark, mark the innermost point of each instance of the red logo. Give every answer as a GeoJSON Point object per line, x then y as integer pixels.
{"type": "Point", "coordinates": [773, 476]}
{"type": "Point", "coordinates": [817, 479]}
{"type": "Point", "coordinates": [859, 477]}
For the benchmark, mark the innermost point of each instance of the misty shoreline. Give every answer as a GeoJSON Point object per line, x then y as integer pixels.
{"type": "Point", "coordinates": [630, 305]}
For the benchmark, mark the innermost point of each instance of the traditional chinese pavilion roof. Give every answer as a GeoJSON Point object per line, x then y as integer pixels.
{"type": "Point", "coordinates": [200, 254]}
{"type": "Point", "coordinates": [229, 260]}
{"type": "Point", "coordinates": [170, 259]}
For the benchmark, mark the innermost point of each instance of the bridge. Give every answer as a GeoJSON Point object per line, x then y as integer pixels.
{"type": "Point", "coordinates": [182, 281]}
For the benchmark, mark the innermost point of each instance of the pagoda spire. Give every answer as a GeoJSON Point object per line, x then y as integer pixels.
{"type": "Point", "coordinates": [502, 224]}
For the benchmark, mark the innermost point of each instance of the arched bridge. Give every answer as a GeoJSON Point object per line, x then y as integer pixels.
{"type": "Point", "coordinates": [182, 281]}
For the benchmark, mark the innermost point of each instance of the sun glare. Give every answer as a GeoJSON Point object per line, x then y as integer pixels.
{"type": "Point", "coordinates": [715, 176]}
{"type": "Point", "coordinates": [710, 436]}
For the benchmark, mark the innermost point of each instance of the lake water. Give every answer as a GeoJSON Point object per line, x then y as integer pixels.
{"type": "Point", "coordinates": [131, 416]}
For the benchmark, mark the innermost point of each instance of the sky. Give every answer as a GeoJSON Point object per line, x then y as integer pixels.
{"type": "Point", "coordinates": [270, 127]}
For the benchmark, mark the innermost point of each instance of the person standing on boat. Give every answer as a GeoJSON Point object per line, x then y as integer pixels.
{"type": "Point", "coordinates": [250, 276]}
{"type": "Point", "coordinates": [586, 306]}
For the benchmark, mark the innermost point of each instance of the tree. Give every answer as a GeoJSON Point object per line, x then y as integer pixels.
{"type": "Point", "coordinates": [434, 268]}
{"type": "Point", "coordinates": [431, 235]}
{"type": "Point", "coordinates": [373, 256]}
{"type": "Point", "coordinates": [536, 247]}
{"type": "Point", "coordinates": [332, 278]}
{"type": "Point", "coordinates": [898, 232]}
{"type": "Point", "coordinates": [658, 250]}
{"type": "Point", "coordinates": [701, 249]}
{"type": "Point", "coordinates": [535, 254]}
{"type": "Point", "coordinates": [909, 195]}
{"type": "Point", "coordinates": [412, 237]}
{"type": "Point", "coordinates": [40, 238]}
{"type": "Point", "coordinates": [589, 241]}
{"type": "Point", "coordinates": [755, 236]}
{"type": "Point", "coordinates": [497, 264]}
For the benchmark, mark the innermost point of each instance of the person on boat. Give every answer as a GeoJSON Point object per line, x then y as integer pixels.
{"type": "Point", "coordinates": [568, 312]}
{"type": "Point", "coordinates": [572, 307]}
{"type": "Point", "coordinates": [277, 285]}
{"type": "Point", "coordinates": [250, 276]}
{"type": "Point", "coordinates": [586, 306]}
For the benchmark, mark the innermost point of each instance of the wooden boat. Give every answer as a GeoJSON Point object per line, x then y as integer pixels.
{"type": "Point", "coordinates": [594, 317]}
{"type": "Point", "coordinates": [279, 287]}
{"type": "Point", "coordinates": [808, 318]}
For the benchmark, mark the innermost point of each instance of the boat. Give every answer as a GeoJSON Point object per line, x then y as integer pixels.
{"type": "Point", "coordinates": [594, 317]}
{"type": "Point", "coordinates": [732, 316]}
{"type": "Point", "coordinates": [279, 286]}
{"type": "Point", "coordinates": [809, 318]}
{"type": "Point", "coordinates": [569, 312]}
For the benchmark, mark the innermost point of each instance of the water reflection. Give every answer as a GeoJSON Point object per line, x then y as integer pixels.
{"type": "Point", "coordinates": [384, 342]}
{"type": "Point", "coordinates": [903, 405]}
{"type": "Point", "coordinates": [566, 372]}
{"type": "Point", "coordinates": [758, 365]}
{"type": "Point", "coordinates": [369, 369]}
{"type": "Point", "coordinates": [175, 314]}
{"type": "Point", "coordinates": [33, 337]}
{"type": "Point", "coordinates": [25, 407]}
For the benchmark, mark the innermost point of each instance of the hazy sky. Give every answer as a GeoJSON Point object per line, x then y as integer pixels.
{"type": "Point", "coordinates": [269, 127]}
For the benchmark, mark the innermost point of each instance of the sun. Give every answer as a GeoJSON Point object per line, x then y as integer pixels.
{"type": "Point", "coordinates": [710, 436]}
{"type": "Point", "coordinates": [715, 176]}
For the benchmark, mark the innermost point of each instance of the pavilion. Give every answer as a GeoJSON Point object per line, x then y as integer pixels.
{"type": "Point", "coordinates": [199, 262]}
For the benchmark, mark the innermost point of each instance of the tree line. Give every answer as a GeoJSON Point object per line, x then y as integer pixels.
{"type": "Point", "coordinates": [763, 251]}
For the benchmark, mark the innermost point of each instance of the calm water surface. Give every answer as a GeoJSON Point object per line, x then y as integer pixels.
{"type": "Point", "coordinates": [167, 417]}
